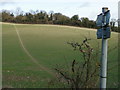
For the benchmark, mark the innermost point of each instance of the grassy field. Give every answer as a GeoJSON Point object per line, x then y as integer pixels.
{"type": "Point", "coordinates": [30, 52]}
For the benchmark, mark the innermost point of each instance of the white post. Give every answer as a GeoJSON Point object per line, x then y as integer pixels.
{"type": "Point", "coordinates": [103, 72]}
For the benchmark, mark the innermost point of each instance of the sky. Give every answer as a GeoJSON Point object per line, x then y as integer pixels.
{"type": "Point", "coordinates": [83, 8]}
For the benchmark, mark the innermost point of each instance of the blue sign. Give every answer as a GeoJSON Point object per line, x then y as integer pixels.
{"type": "Point", "coordinates": [99, 34]}
{"type": "Point", "coordinates": [107, 17]}
{"type": "Point", "coordinates": [103, 19]}
{"type": "Point", "coordinates": [106, 33]}
{"type": "Point", "coordinates": [103, 33]}
{"type": "Point", "coordinates": [99, 20]}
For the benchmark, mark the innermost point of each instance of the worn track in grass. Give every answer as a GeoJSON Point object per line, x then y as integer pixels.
{"type": "Point", "coordinates": [30, 56]}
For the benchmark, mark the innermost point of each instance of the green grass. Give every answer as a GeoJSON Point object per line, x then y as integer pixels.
{"type": "Point", "coordinates": [48, 45]}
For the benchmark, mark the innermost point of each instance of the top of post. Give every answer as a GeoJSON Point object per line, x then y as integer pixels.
{"type": "Point", "coordinates": [104, 9]}
{"type": "Point", "coordinates": [119, 13]}
{"type": "Point", "coordinates": [119, 10]}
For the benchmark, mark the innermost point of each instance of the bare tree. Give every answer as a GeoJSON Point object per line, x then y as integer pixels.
{"type": "Point", "coordinates": [83, 74]}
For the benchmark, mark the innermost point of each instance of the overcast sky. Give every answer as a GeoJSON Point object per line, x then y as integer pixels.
{"type": "Point", "coordinates": [84, 8]}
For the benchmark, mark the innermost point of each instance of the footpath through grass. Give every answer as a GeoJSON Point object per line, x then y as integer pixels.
{"type": "Point", "coordinates": [48, 45]}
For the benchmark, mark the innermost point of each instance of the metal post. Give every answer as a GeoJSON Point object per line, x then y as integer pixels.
{"type": "Point", "coordinates": [103, 71]}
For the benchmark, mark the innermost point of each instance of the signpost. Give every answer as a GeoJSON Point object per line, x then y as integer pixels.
{"type": "Point", "coordinates": [103, 33]}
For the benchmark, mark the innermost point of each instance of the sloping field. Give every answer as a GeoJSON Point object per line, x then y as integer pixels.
{"type": "Point", "coordinates": [30, 52]}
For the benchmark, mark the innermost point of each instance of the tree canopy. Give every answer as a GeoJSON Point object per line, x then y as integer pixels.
{"type": "Point", "coordinates": [42, 17]}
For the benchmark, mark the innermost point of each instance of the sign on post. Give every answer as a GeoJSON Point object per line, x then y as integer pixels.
{"type": "Point", "coordinates": [102, 22]}
{"type": "Point", "coordinates": [103, 33]}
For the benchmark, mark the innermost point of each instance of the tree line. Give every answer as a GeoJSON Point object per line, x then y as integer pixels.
{"type": "Point", "coordinates": [42, 17]}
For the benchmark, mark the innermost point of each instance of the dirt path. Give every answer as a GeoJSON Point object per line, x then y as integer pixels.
{"type": "Point", "coordinates": [31, 57]}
